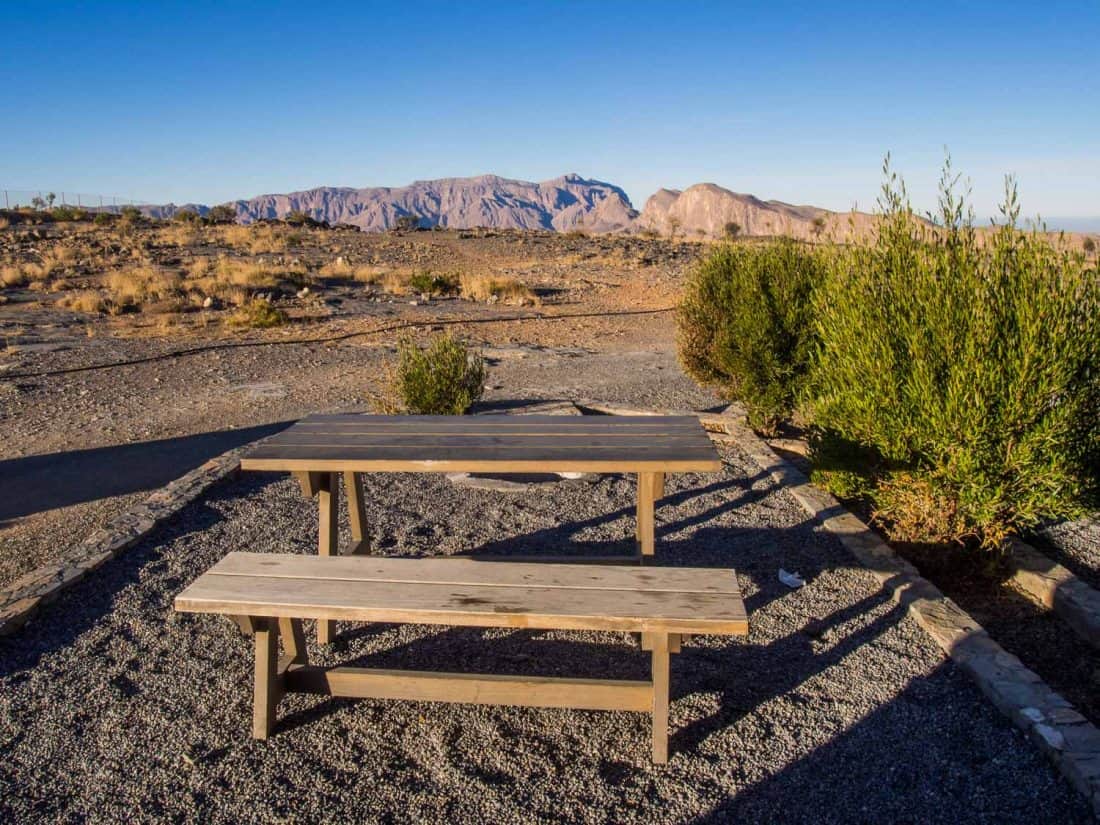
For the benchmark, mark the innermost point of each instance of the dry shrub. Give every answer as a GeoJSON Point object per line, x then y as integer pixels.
{"type": "Point", "coordinates": [87, 300]}
{"type": "Point", "coordinates": [258, 314]}
{"type": "Point", "coordinates": [913, 508]}
{"type": "Point", "coordinates": [4, 223]}
{"type": "Point", "coordinates": [368, 275]}
{"type": "Point", "coordinates": [396, 283]}
{"type": "Point", "coordinates": [260, 240]}
{"type": "Point", "coordinates": [483, 287]}
{"type": "Point", "coordinates": [12, 276]}
{"type": "Point", "coordinates": [338, 268]}
{"type": "Point", "coordinates": [181, 234]}
{"type": "Point", "coordinates": [199, 267]}
{"type": "Point", "coordinates": [132, 288]}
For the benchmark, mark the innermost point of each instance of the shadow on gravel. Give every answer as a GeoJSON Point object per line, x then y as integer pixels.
{"type": "Point", "coordinates": [560, 539]}
{"type": "Point", "coordinates": [58, 624]}
{"type": "Point", "coordinates": [46, 482]}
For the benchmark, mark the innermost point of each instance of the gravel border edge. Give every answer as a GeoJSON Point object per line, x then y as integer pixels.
{"type": "Point", "coordinates": [20, 598]}
{"type": "Point", "coordinates": [1055, 587]}
{"type": "Point", "coordinates": [1051, 722]}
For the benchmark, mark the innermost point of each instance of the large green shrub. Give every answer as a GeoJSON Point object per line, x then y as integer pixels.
{"type": "Point", "coordinates": [445, 378]}
{"type": "Point", "coordinates": [744, 325]}
{"type": "Point", "coordinates": [969, 363]}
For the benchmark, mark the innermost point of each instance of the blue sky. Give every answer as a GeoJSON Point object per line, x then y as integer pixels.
{"type": "Point", "coordinates": [213, 100]}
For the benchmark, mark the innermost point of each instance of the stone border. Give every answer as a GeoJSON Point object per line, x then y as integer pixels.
{"type": "Point", "coordinates": [1051, 722]}
{"type": "Point", "coordinates": [1055, 587]}
{"type": "Point", "coordinates": [21, 598]}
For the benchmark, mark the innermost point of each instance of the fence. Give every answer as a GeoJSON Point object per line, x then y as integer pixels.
{"type": "Point", "coordinates": [47, 199]}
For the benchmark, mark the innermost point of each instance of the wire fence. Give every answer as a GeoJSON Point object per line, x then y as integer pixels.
{"type": "Point", "coordinates": [51, 198]}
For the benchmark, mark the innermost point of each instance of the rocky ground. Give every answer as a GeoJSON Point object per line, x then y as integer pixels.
{"type": "Point", "coordinates": [80, 446]}
{"type": "Point", "coordinates": [837, 708]}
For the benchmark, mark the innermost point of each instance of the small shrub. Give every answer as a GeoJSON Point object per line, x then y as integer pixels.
{"type": "Point", "coordinates": [224, 213]}
{"type": "Point", "coordinates": [103, 219]}
{"type": "Point", "coordinates": [130, 289]}
{"type": "Point", "coordinates": [482, 287]}
{"type": "Point", "coordinates": [68, 213]}
{"type": "Point", "coordinates": [338, 268]}
{"type": "Point", "coordinates": [446, 378]}
{"type": "Point", "coordinates": [87, 300]}
{"type": "Point", "coordinates": [1089, 245]}
{"type": "Point", "coordinates": [407, 223]}
{"type": "Point", "coordinates": [187, 216]}
{"type": "Point", "coordinates": [732, 230]}
{"type": "Point", "coordinates": [428, 283]}
{"type": "Point", "coordinates": [970, 365]}
{"type": "Point", "coordinates": [12, 276]}
{"type": "Point", "coordinates": [258, 314]}
{"type": "Point", "coordinates": [744, 325]}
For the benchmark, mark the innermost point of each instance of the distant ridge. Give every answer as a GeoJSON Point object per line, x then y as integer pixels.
{"type": "Point", "coordinates": [562, 204]}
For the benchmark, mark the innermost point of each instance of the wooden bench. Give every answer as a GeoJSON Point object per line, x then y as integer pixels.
{"type": "Point", "coordinates": [269, 595]}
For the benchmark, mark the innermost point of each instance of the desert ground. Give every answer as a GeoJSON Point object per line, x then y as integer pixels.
{"type": "Point", "coordinates": [837, 707]}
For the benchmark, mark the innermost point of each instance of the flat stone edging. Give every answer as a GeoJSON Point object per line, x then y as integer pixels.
{"type": "Point", "coordinates": [20, 598]}
{"type": "Point", "coordinates": [1053, 586]}
{"type": "Point", "coordinates": [1051, 722]}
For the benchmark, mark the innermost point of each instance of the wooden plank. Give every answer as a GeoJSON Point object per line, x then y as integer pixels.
{"type": "Point", "coordinates": [266, 692]}
{"type": "Point", "coordinates": [502, 443]}
{"type": "Point", "coordinates": [477, 606]}
{"type": "Point", "coordinates": [558, 422]}
{"type": "Point", "coordinates": [489, 442]}
{"type": "Point", "coordinates": [461, 572]}
{"type": "Point", "coordinates": [328, 536]}
{"type": "Point", "coordinates": [661, 677]}
{"type": "Point", "coordinates": [341, 460]}
{"type": "Point", "coordinates": [524, 691]}
{"type": "Point", "coordinates": [357, 514]}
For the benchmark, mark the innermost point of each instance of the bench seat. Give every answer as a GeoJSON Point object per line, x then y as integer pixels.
{"type": "Point", "coordinates": [269, 595]}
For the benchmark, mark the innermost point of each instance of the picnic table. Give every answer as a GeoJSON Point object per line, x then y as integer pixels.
{"type": "Point", "coordinates": [319, 448]}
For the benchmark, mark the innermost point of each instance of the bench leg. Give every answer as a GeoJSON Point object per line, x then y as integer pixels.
{"type": "Point", "coordinates": [266, 687]}
{"type": "Point", "coordinates": [661, 674]}
{"type": "Point", "coordinates": [353, 487]}
{"type": "Point", "coordinates": [328, 536]}
{"type": "Point", "coordinates": [650, 486]}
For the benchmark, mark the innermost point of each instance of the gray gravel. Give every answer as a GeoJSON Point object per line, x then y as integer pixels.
{"type": "Point", "coordinates": [838, 708]}
{"type": "Point", "coordinates": [1075, 545]}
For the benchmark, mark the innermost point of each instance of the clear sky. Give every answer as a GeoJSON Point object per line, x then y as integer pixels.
{"type": "Point", "coordinates": [209, 101]}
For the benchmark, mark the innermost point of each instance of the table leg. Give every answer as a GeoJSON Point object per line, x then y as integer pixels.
{"type": "Point", "coordinates": [661, 674]}
{"type": "Point", "coordinates": [649, 485]}
{"type": "Point", "coordinates": [328, 536]}
{"type": "Point", "coordinates": [353, 487]}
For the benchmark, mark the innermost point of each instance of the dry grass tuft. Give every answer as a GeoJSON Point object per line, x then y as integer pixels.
{"type": "Point", "coordinates": [338, 268]}
{"type": "Point", "coordinates": [492, 288]}
{"type": "Point", "coordinates": [182, 235]}
{"type": "Point", "coordinates": [260, 240]}
{"type": "Point", "coordinates": [132, 288]}
{"type": "Point", "coordinates": [87, 300]}
{"type": "Point", "coordinates": [11, 276]}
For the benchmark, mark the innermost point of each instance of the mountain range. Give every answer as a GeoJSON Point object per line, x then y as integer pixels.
{"type": "Point", "coordinates": [562, 204]}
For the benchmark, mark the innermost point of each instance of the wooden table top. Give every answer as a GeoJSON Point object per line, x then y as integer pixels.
{"type": "Point", "coordinates": [465, 592]}
{"type": "Point", "coordinates": [487, 443]}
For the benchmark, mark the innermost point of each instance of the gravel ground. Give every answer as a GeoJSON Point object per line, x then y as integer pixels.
{"type": "Point", "coordinates": [837, 708]}
{"type": "Point", "coordinates": [1075, 545]}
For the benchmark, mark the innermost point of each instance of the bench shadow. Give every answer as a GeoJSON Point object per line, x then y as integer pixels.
{"type": "Point", "coordinates": [38, 483]}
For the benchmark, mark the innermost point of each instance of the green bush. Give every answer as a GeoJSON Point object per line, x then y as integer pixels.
{"type": "Point", "coordinates": [967, 364]}
{"type": "Point", "coordinates": [744, 325]}
{"type": "Point", "coordinates": [187, 216]}
{"type": "Point", "coordinates": [429, 283]}
{"type": "Point", "coordinates": [258, 314]}
{"type": "Point", "coordinates": [446, 378]}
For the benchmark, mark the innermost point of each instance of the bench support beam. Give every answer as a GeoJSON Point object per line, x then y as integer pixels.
{"type": "Point", "coordinates": [275, 677]}
{"type": "Point", "coordinates": [650, 488]}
